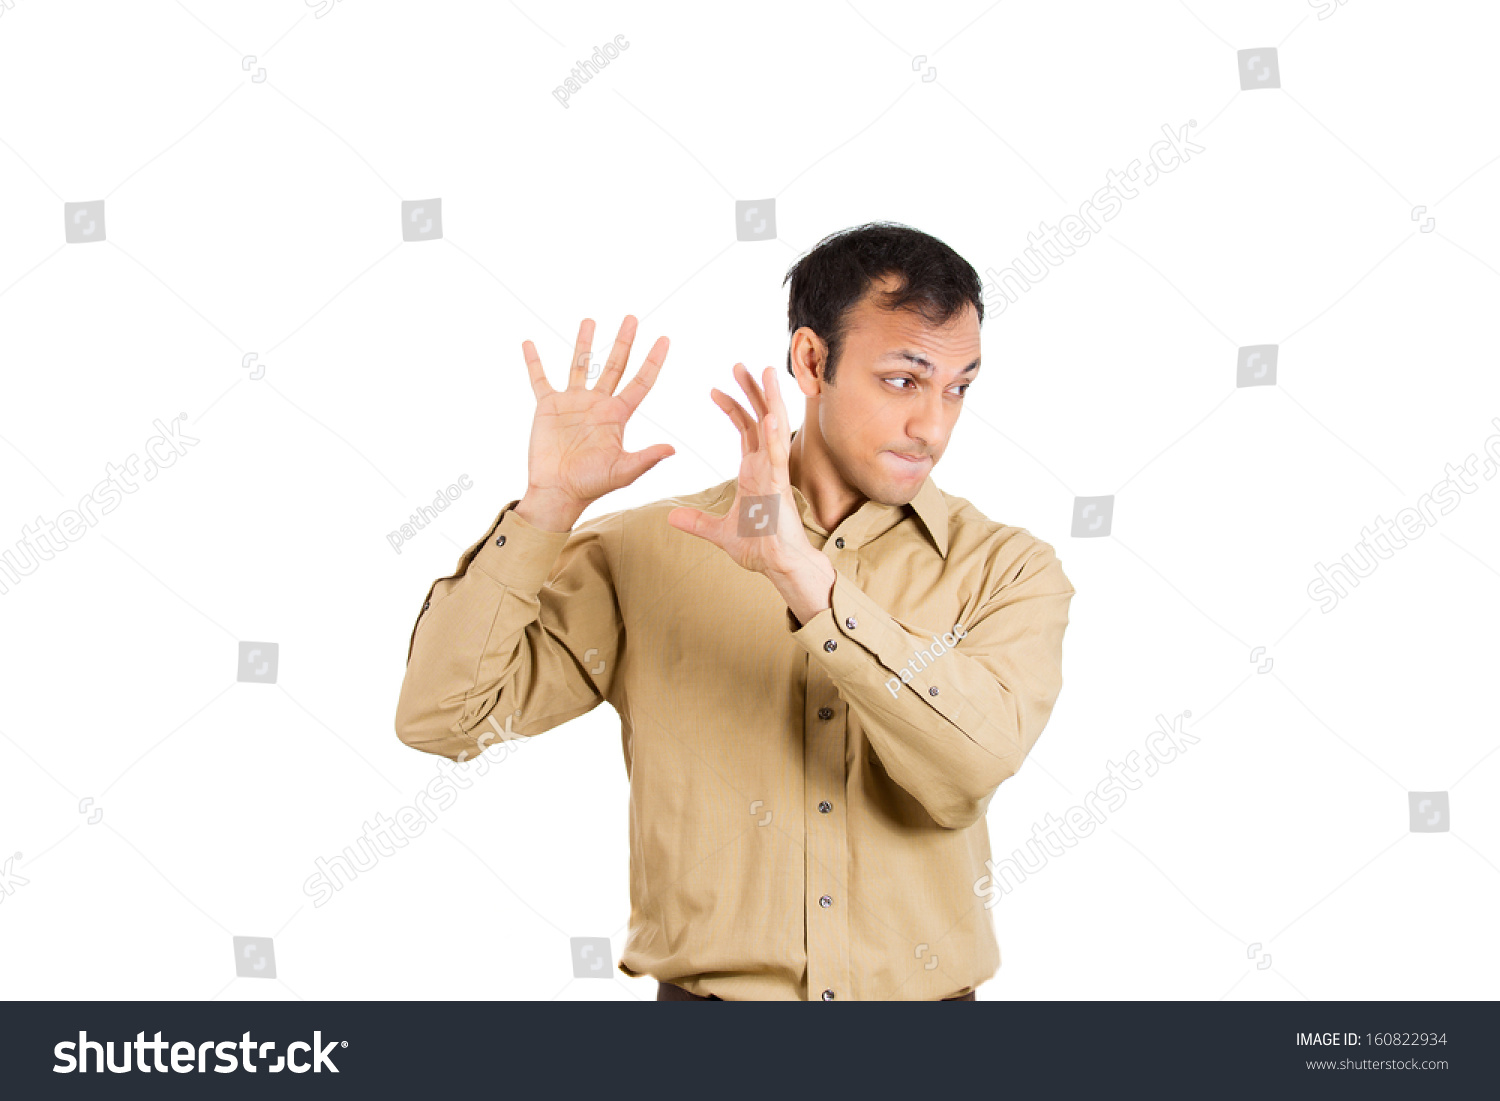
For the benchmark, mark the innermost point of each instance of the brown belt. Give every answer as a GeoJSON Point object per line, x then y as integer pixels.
{"type": "Point", "coordinates": [671, 992]}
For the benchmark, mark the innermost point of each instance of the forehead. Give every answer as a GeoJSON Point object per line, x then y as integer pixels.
{"type": "Point", "coordinates": [877, 330]}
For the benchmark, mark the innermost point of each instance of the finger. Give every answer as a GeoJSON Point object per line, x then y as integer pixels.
{"type": "Point", "coordinates": [636, 390]}
{"type": "Point", "coordinates": [742, 420]}
{"type": "Point", "coordinates": [747, 381]}
{"type": "Point", "coordinates": [779, 434]}
{"type": "Point", "coordinates": [539, 384]}
{"type": "Point", "coordinates": [636, 463]}
{"type": "Point", "coordinates": [578, 375]}
{"type": "Point", "coordinates": [619, 355]}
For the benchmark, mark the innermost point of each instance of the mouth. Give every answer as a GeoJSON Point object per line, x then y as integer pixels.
{"type": "Point", "coordinates": [913, 461]}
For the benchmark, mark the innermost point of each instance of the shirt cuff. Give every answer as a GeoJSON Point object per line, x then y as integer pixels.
{"type": "Point", "coordinates": [516, 554]}
{"type": "Point", "coordinates": [846, 635]}
{"type": "Point", "coordinates": [834, 636]}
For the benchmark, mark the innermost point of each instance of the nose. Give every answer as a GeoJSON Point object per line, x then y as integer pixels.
{"type": "Point", "coordinates": [928, 422]}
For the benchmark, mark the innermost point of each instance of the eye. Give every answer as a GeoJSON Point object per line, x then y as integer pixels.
{"type": "Point", "coordinates": [907, 378]}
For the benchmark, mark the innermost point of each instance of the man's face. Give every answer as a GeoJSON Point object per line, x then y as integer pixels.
{"type": "Point", "coordinates": [897, 390]}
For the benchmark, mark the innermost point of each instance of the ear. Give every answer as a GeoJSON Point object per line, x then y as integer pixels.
{"type": "Point", "coordinates": [809, 354]}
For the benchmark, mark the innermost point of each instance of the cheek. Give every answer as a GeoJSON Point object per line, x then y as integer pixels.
{"type": "Point", "coordinates": [859, 423]}
{"type": "Point", "coordinates": [845, 420]}
{"type": "Point", "coordinates": [871, 418]}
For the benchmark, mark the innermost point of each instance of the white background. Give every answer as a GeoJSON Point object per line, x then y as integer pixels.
{"type": "Point", "coordinates": [1273, 860]}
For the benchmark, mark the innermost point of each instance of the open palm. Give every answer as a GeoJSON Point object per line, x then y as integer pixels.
{"type": "Point", "coordinates": [577, 451]}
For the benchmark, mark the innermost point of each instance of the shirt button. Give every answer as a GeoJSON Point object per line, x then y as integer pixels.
{"type": "Point", "coordinates": [500, 542]}
{"type": "Point", "coordinates": [932, 691]}
{"type": "Point", "coordinates": [825, 806]}
{"type": "Point", "coordinates": [839, 542]}
{"type": "Point", "coordinates": [851, 623]}
{"type": "Point", "coordinates": [830, 646]}
{"type": "Point", "coordinates": [825, 712]}
{"type": "Point", "coordinates": [828, 995]}
{"type": "Point", "coordinates": [826, 901]}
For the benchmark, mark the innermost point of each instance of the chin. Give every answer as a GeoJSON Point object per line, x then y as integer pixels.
{"type": "Point", "coordinates": [886, 492]}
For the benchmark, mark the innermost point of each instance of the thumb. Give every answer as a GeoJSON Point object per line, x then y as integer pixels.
{"type": "Point", "coordinates": [691, 521]}
{"type": "Point", "coordinates": [635, 463]}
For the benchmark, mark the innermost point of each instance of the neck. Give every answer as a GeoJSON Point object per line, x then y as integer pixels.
{"type": "Point", "coordinates": [811, 470]}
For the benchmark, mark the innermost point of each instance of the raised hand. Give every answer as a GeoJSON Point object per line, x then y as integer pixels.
{"type": "Point", "coordinates": [773, 544]}
{"type": "Point", "coordinates": [577, 451]}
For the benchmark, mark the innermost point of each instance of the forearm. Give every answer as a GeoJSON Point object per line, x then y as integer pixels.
{"type": "Point", "coordinates": [956, 722]}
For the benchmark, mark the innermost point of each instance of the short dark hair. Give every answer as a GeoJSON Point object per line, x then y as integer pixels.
{"type": "Point", "coordinates": [935, 281]}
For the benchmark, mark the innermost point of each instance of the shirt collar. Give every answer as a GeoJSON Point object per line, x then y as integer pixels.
{"type": "Point", "coordinates": [932, 509]}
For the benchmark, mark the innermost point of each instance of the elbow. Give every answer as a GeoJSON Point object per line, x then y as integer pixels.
{"type": "Point", "coordinates": [412, 727]}
{"type": "Point", "coordinates": [958, 812]}
{"type": "Point", "coordinates": [963, 808]}
{"type": "Point", "coordinates": [958, 816]}
{"type": "Point", "coordinates": [429, 731]}
{"type": "Point", "coordinates": [413, 734]}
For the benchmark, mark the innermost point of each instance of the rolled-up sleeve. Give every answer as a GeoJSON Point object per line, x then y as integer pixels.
{"type": "Point", "coordinates": [951, 724]}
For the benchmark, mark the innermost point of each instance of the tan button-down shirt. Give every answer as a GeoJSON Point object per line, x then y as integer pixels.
{"type": "Point", "coordinates": [806, 801]}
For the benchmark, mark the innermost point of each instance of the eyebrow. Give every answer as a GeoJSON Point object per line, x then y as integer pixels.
{"type": "Point", "coordinates": [924, 363]}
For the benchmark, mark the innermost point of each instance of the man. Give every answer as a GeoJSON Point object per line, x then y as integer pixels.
{"type": "Point", "coordinates": [823, 668]}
